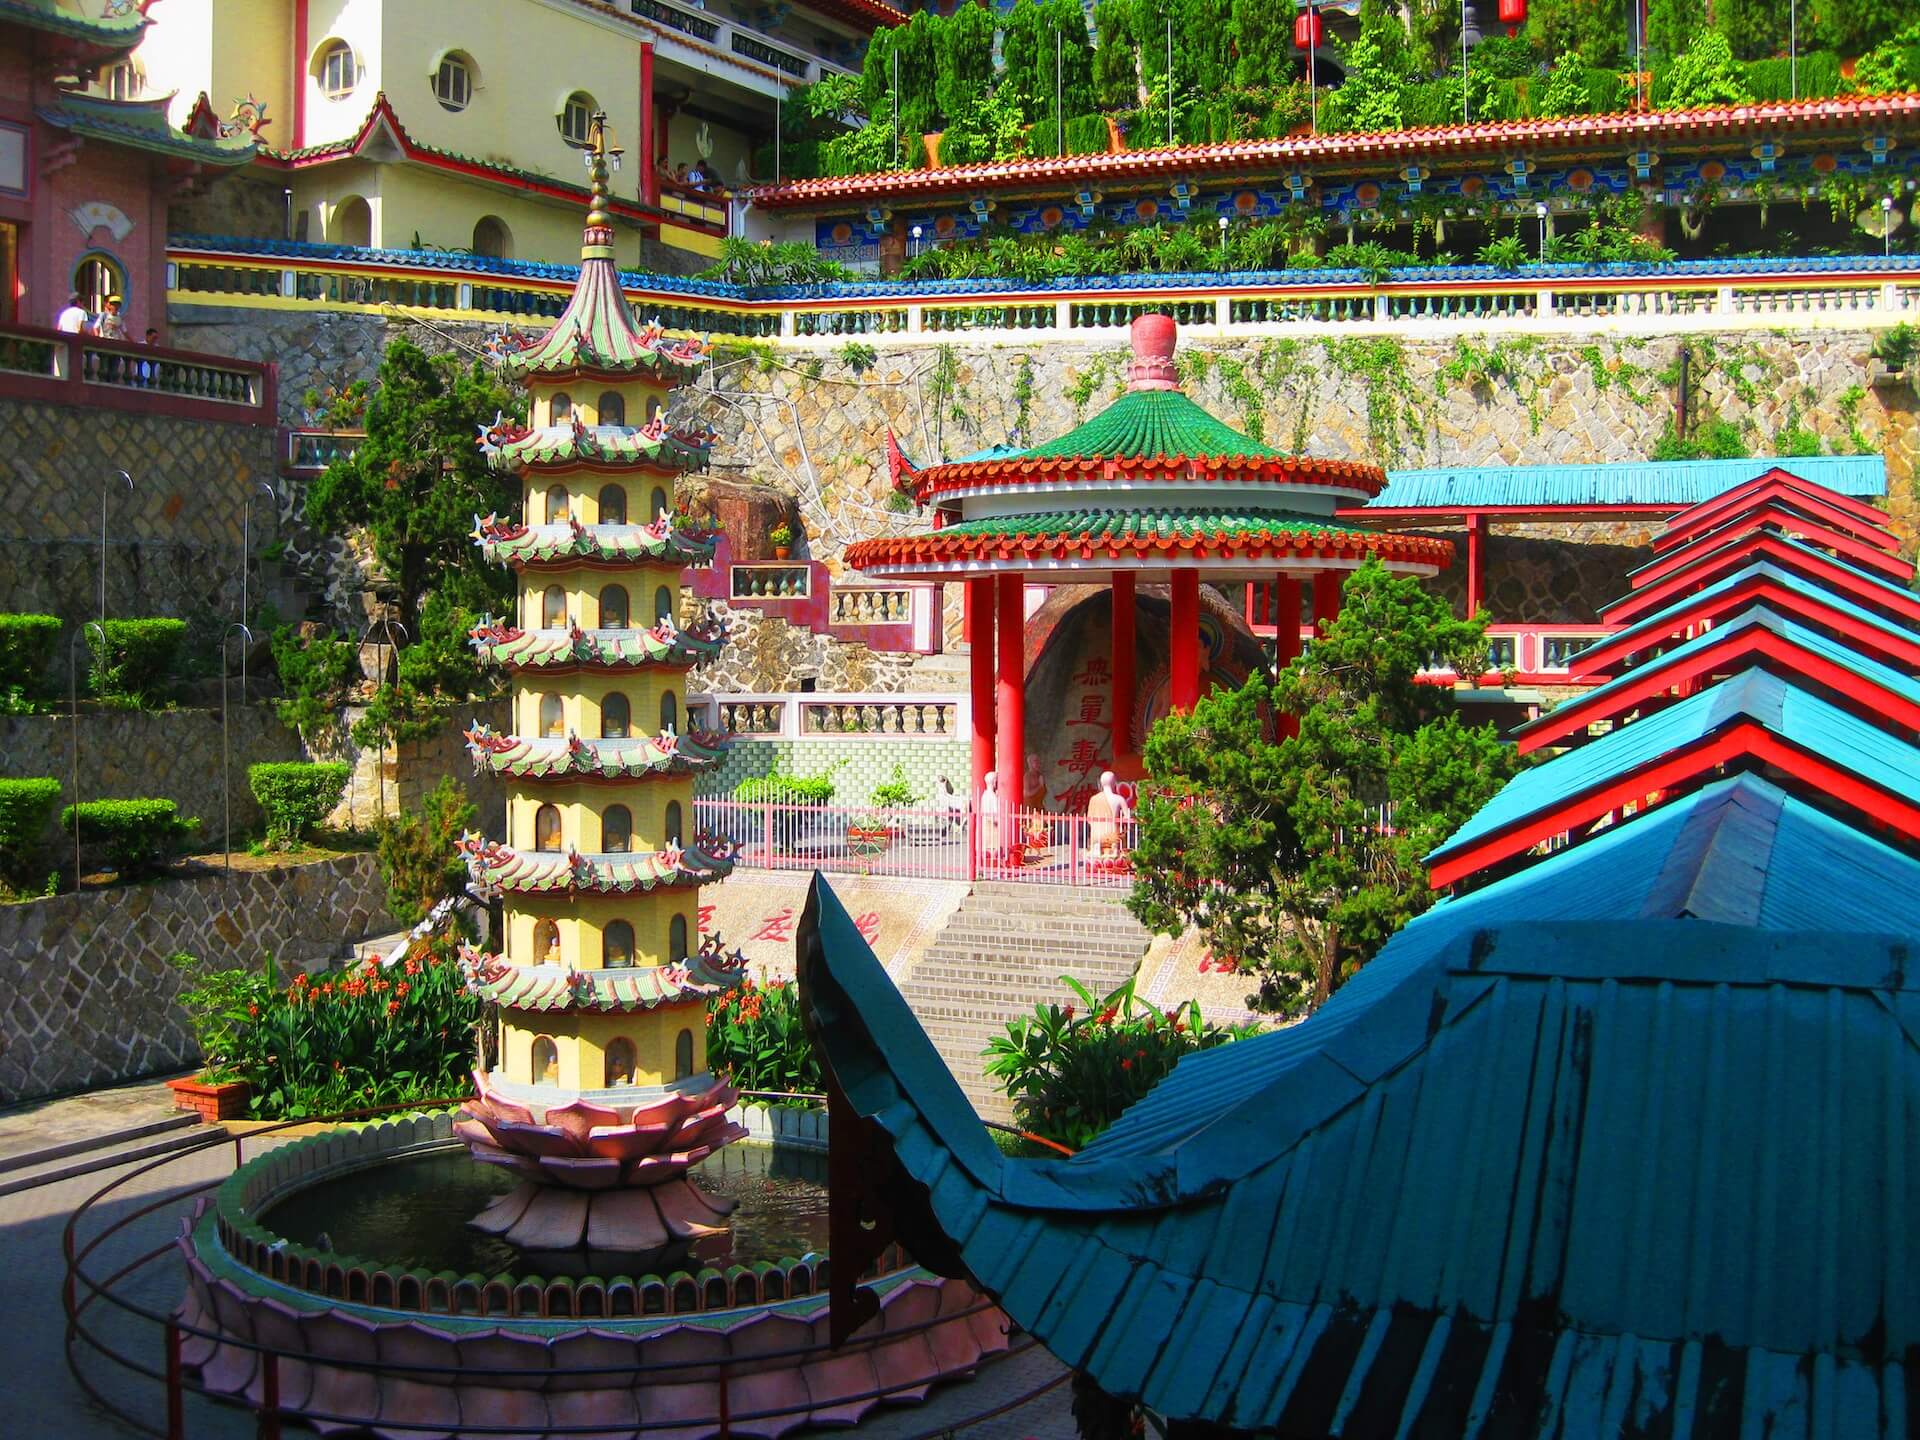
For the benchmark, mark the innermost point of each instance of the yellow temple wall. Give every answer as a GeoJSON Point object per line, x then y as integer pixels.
{"type": "Point", "coordinates": [583, 694]}
{"type": "Point", "coordinates": [583, 809]}
{"type": "Point", "coordinates": [582, 923]}
{"type": "Point", "coordinates": [640, 401]}
{"type": "Point", "coordinates": [584, 588]}
{"type": "Point", "coordinates": [581, 1041]}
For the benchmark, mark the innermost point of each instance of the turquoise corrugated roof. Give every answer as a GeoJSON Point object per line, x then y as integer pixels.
{"type": "Point", "coordinates": [1803, 719]}
{"type": "Point", "coordinates": [1799, 584]}
{"type": "Point", "coordinates": [1663, 483]}
{"type": "Point", "coordinates": [1521, 1176]}
{"type": "Point", "coordinates": [1766, 618]}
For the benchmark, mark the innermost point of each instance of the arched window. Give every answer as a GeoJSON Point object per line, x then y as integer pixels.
{"type": "Point", "coordinates": [616, 717]}
{"type": "Point", "coordinates": [616, 830]}
{"type": "Point", "coordinates": [492, 238]}
{"type": "Point", "coordinates": [677, 940]}
{"type": "Point", "coordinates": [546, 943]}
{"type": "Point", "coordinates": [613, 607]}
{"type": "Point", "coordinates": [546, 1061]}
{"type": "Point", "coordinates": [335, 69]}
{"type": "Point", "coordinates": [557, 508]}
{"type": "Point", "coordinates": [662, 604]}
{"type": "Point", "coordinates": [553, 717]}
{"type": "Point", "coordinates": [669, 714]}
{"type": "Point", "coordinates": [576, 119]}
{"type": "Point", "coordinates": [546, 828]}
{"type": "Point", "coordinates": [676, 823]}
{"type": "Point", "coordinates": [619, 1067]}
{"type": "Point", "coordinates": [683, 1055]}
{"type": "Point", "coordinates": [616, 951]}
{"type": "Point", "coordinates": [560, 409]}
{"type": "Point", "coordinates": [613, 504]}
{"type": "Point", "coordinates": [97, 277]}
{"type": "Point", "coordinates": [453, 82]}
{"type": "Point", "coordinates": [553, 608]}
{"type": "Point", "coordinates": [613, 408]}
{"type": "Point", "coordinates": [656, 502]}
{"type": "Point", "coordinates": [351, 222]}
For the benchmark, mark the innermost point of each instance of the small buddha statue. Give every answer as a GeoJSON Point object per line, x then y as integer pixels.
{"type": "Point", "coordinates": [1107, 811]}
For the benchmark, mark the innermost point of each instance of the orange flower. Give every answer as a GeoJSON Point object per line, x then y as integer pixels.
{"type": "Point", "coordinates": [393, 1007]}
{"type": "Point", "coordinates": [413, 967]}
{"type": "Point", "coordinates": [253, 1010]}
{"type": "Point", "coordinates": [401, 989]}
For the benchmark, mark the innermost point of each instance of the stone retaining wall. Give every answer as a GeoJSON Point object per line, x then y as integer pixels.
{"type": "Point", "coordinates": [90, 997]}
{"type": "Point", "coordinates": [162, 754]}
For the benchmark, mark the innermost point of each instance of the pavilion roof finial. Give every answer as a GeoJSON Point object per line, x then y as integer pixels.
{"type": "Point", "coordinates": [1154, 337]}
{"type": "Point", "coordinates": [602, 159]}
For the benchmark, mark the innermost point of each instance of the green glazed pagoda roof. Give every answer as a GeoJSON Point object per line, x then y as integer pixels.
{"type": "Point", "coordinates": [143, 125]}
{"type": "Point", "coordinates": [596, 335]}
{"type": "Point", "coordinates": [596, 444]}
{"type": "Point", "coordinates": [520, 757]}
{"type": "Point", "coordinates": [554, 987]}
{"type": "Point", "coordinates": [500, 867]}
{"type": "Point", "coordinates": [1147, 424]}
{"type": "Point", "coordinates": [119, 30]}
{"type": "Point", "coordinates": [665, 644]}
{"type": "Point", "coordinates": [511, 543]}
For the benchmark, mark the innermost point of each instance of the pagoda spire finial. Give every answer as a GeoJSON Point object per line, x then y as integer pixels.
{"type": "Point", "coordinates": [602, 159]}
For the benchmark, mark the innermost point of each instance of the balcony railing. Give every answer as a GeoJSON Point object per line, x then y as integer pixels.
{"type": "Point", "coordinates": [312, 451]}
{"type": "Point", "coordinates": [705, 31]}
{"type": "Point", "coordinates": [72, 369]}
{"type": "Point", "coordinates": [1860, 292]}
{"type": "Point", "coordinates": [797, 715]}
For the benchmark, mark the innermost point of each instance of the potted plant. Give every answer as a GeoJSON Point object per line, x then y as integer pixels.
{"type": "Point", "coordinates": [211, 1098]}
{"type": "Point", "coordinates": [872, 832]}
{"type": "Point", "coordinates": [781, 538]}
{"type": "Point", "coordinates": [1893, 356]}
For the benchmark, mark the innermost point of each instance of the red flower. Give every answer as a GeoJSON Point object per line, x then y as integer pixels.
{"type": "Point", "coordinates": [253, 1010]}
{"type": "Point", "coordinates": [393, 1007]}
{"type": "Point", "coordinates": [1126, 1064]}
{"type": "Point", "coordinates": [1179, 1027]}
{"type": "Point", "coordinates": [338, 1066]}
{"type": "Point", "coordinates": [1140, 1054]}
{"type": "Point", "coordinates": [1069, 1013]}
{"type": "Point", "coordinates": [413, 967]}
{"type": "Point", "coordinates": [402, 988]}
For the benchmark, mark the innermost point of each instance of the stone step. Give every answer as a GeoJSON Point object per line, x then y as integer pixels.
{"type": "Point", "coordinates": [94, 1161]}
{"type": "Point", "coordinates": [46, 1155]}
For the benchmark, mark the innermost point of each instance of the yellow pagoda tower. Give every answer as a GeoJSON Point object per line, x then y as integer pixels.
{"type": "Point", "coordinates": [600, 1098]}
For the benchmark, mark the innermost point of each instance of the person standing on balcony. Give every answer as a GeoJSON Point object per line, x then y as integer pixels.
{"type": "Point", "coordinates": [73, 318]}
{"type": "Point", "coordinates": [112, 325]}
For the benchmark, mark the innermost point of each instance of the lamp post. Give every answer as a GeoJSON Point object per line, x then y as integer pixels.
{"type": "Point", "coordinates": [105, 490]}
{"type": "Point", "coordinates": [1223, 245]}
{"type": "Point", "coordinates": [1793, 49]}
{"type": "Point", "coordinates": [1466, 117]}
{"type": "Point", "coordinates": [916, 240]}
{"type": "Point", "coordinates": [1540, 213]}
{"type": "Point", "coordinates": [1886, 226]}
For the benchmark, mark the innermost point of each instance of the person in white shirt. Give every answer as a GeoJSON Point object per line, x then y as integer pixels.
{"type": "Point", "coordinates": [73, 319]}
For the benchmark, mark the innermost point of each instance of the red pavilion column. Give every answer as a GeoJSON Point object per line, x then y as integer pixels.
{"type": "Point", "coordinates": [1183, 646]}
{"type": "Point", "coordinates": [980, 661]}
{"type": "Point", "coordinates": [1010, 735]}
{"type": "Point", "coordinates": [1286, 635]}
{"type": "Point", "coordinates": [1123, 676]}
{"type": "Point", "coordinates": [1476, 563]}
{"type": "Point", "coordinates": [1326, 596]}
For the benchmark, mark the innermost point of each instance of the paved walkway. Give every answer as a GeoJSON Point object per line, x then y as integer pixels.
{"type": "Point", "coordinates": [40, 1124]}
{"type": "Point", "coordinates": [39, 1384]}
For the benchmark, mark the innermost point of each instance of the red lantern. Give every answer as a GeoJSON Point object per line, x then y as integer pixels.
{"type": "Point", "coordinates": [1513, 14]}
{"type": "Point", "coordinates": [1308, 32]}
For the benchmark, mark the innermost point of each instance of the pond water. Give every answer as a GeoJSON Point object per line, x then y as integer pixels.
{"type": "Point", "coordinates": [414, 1213]}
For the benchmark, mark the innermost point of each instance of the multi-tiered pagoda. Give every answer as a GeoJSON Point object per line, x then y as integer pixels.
{"type": "Point", "coordinates": [600, 1096]}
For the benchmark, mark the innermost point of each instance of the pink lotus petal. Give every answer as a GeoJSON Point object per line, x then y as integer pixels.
{"type": "Point", "coordinates": [556, 1219]}
{"type": "Point", "coordinates": [536, 1139]}
{"type": "Point", "coordinates": [625, 1220]}
{"type": "Point", "coordinates": [669, 1110]}
{"type": "Point", "coordinates": [578, 1117]}
{"type": "Point", "coordinates": [474, 1132]}
{"type": "Point", "coordinates": [581, 1172]}
{"type": "Point", "coordinates": [503, 1214]}
{"type": "Point", "coordinates": [627, 1142]}
{"type": "Point", "coordinates": [506, 1159]}
{"type": "Point", "coordinates": [655, 1168]}
{"type": "Point", "coordinates": [686, 1210]}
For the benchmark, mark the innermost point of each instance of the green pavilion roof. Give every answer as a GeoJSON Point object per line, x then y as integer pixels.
{"type": "Point", "coordinates": [511, 543]}
{"type": "Point", "coordinates": [500, 867]}
{"type": "Point", "coordinates": [554, 987]}
{"type": "Point", "coordinates": [523, 758]}
{"type": "Point", "coordinates": [1143, 424]}
{"type": "Point", "coordinates": [1155, 524]}
{"type": "Point", "coordinates": [665, 644]}
{"type": "Point", "coordinates": [143, 125]}
{"type": "Point", "coordinates": [596, 444]}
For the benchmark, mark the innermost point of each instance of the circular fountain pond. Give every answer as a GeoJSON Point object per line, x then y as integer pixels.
{"type": "Point", "coordinates": [348, 1256]}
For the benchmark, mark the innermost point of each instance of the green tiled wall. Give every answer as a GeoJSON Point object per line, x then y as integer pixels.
{"type": "Point", "coordinates": [869, 762]}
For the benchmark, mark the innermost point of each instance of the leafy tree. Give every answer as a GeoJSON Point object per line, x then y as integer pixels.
{"type": "Point", "coordinates": [1754, 28]}
{"type": "Point", "coordinates": [1705, 75]}
{"type": "Point", "coordinates": [1116, 73]}
{"type": "Point", "coordinates": [1891, 66]}
{"type": "Point", "coordinates": [1673, 26]}
{"type": "Point", "coordinates": [1599, 30]}
{"type": "Point", "coordinates": [418, 479]}
{"type": "Point", "coordinates": [965, 62]}
{"type": "Point", "coordinates": [1854, 27]}
{"type": "Point", "coordinates": [1028, 50]}
{"type": "Point", "coordinates": [1271, 843]}
{"type": "Point", "coordinates": [1370, 99]}
{"type": "Point", "coordinates": [416, 853]}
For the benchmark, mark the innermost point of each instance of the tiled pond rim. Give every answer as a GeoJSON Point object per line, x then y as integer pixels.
{"type": "Point", "coordinates": [349, 1344]}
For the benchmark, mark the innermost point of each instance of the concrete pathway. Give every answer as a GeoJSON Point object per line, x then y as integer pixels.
{"type": "Point", "coordinates": [42, 1124]}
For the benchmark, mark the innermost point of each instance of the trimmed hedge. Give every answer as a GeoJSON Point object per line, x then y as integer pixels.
{"type": "Point", "coordinates": [140, 836]}
{"type": "Point", "coordinates": [295, 795]}
{"type": "Point", "coordinates": [27, 643]}
{"type": "Point", "coordinates": [136, 662]}
{"type": "Point", "coordinates": [25, 808]}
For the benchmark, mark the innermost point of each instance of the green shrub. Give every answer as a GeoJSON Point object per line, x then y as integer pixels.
{"type": "Point", "coordinates": [416, 854]}
{"type": "Point", "coordinates": [134, 660]}
{"type": "Point", "coordinates": [140, 836]}
{"type": "Point", "coordinates": [314, 678]}
{"type": "Point", "coordinates": [896, 792]}
{"type": "Point", "coordinates": [25, 808]}
{"type": "Point", "coordinates": [1818, 74]}
{"type": "Point", "coordinates": [295, 796]}
{"type": "Point", "coordinates": [1070, 1071]}
{"type": "Point", "coordinates": [1896, 347]}
{"type": "Point", "coordinates": [27, 644]}
{"type": "Point", "coordinates": [755, 1035]}
{"type": "Point", "coordinates": [1087, 135]}
{"type": "Point", "coordinates": [779, 788]}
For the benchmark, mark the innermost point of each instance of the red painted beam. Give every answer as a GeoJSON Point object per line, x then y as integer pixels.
{"type": "Point", "coordinates": [1690, 763]}
{"type": "Point", "coordinates": [1742, 649]}
{"type": "Point", "coordinates": [1121, 597]}
{"type": "Point", "coordinates": [1846, 547]}
{"type": "Point", "coordinates": [1739, 495]}
{"type": "Point", "coordinates": [1705, 569]}
{"type": "Point", "coordinates": [1682, 531]}
{"type": "Point", "coordinates": [1183, 644]}
{"type": "Point", "coordinates": [980, 673]}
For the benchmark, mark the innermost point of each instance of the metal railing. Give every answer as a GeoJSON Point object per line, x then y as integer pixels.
{"type": "Point", "coordinates": [801, 714]}
{"type": "Point", "coordinates": [1862, 292]}
{"type": "Point", "coordinates": [315, 450]}
{"type": "Point", "coordinates": [957, 843]}
{"type": "Point", "coordinates": [78, 369]}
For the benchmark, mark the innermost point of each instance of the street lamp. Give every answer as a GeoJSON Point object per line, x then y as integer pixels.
{"type": "Point", "coordinates": [916, 240]}
{"type": "Point", "coordinates": [1540, 213]}
{"type": "Point", "coordinates": [1223, 244]}
{"type": "Point", "coordinates": [1886, 226]}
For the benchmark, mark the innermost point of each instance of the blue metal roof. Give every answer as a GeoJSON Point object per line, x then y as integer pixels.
{"type": "Point", "coordinates": [1525, 1175]}
{"type": "Point", "coordinates": [1763, 617]}
{"type": "Point", "coordinates": [1796, 715]}
{"type": "Point", "coordinates": [1673, 484]}
{"type": "Point", "coordinates": [1808, 585]}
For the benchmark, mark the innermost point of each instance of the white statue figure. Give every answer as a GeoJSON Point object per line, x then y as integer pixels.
{"type": "Point", "coordinates": [990, 814]}
{"type": "Point", "coordinates": [1107, 811]}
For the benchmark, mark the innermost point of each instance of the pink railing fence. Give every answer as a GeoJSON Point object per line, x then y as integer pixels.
{"type": "Point", "coordinates": [1036, 847]}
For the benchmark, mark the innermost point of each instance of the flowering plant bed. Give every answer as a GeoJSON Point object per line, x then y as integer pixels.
{"type": "Point", "coordinates": [754, 1035]}
{"type": "Point", "coordinates": [212, 1099]}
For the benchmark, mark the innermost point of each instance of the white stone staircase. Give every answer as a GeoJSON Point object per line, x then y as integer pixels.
{"type": "Point", "coordinates": [1002, 953]}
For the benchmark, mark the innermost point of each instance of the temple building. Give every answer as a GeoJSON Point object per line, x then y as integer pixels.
{"type": "Point", "coordinates": [1566, 1156]}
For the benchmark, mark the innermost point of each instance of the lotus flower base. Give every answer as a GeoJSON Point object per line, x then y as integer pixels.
{"type": "Point", "coordinates": [606, 1176]}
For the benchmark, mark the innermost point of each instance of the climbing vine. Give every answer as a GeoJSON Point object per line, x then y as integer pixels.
{"type": "Point", "coordinates": [1514, 365]}
{"type": "Point", "coordinates": [1100, 368]}
{"type": "Point", "coordinates": [1396, 409]}
{"type": "Point", "coordinates": [1022, 398]}
{"type": "Point", "coordinates": [1848, 405]}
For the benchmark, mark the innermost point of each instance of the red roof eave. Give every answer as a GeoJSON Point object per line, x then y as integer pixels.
{"type": "Point", "coordinates": [939, 480]}
{"type": "Point", "coordinates": [1239, 156]}
{"type": "Point", "coordinates": [946, 548]}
